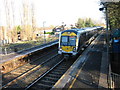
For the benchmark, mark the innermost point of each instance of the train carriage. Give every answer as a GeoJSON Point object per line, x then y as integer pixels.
{"type": "Point", "coordinates": [71, 41]}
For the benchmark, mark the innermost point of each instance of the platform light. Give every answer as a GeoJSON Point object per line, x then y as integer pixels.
{"type": "Point", "coordinates": [107, 20]}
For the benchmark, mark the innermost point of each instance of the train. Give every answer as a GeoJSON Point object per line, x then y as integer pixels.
{"type": "Point", "coordinates": [72, 41]}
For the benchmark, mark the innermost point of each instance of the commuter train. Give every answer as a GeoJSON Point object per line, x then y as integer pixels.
{"type": "Point", "coordinates": [72, 41]}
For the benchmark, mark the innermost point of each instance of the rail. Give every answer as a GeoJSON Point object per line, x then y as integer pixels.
{"type": "Point", "coordinates": [29, 86]}
{"type": "Point", "coordinates": [29, 71]}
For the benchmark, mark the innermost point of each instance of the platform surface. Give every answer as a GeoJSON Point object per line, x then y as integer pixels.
{"type": "Point", "coordinates": [8, 57]}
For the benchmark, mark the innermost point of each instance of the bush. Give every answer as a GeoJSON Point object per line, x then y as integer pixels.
{"type": "Point", "coordinates": [51, 33]}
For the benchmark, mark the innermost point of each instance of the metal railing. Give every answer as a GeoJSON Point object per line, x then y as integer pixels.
{"type": "Point", "coordinates": [115, 80]}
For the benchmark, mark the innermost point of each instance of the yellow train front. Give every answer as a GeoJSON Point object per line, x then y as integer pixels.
{"type": "Point", "coordinates": [68, 42]}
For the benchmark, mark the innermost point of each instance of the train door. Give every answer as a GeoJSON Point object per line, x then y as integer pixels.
{"type": "Point", "coordinates": [82, 39]}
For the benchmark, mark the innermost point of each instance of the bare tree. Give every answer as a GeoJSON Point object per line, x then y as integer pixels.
{"type": "Point", "coordinates": [7, 14]}
{"type": "Point", "coordinates": [27, 19]}
{"type": "Point", "coordinates": [33, 22]}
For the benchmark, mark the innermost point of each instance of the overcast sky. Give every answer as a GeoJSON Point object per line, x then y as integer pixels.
{"type": "Point", "coordinates": [54, 12]}
{"type": "Point", "coordinates": [67, 11]}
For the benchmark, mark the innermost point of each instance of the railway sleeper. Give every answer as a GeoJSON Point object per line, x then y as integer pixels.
{"type": "Point", "coordinates": [41, 88]}
{"type": "Point", "coordinates": [62, 67]}
{"type": "Point", "coordinates": [53, 75]}
{"type": "Point", "coordinates": [40, 85]}
{"type": "Point", "coordinates": [47, 82]}
{"type": "Point", "coordinates": [14, 86]}
{"type": "Point", "coordinates": [50, 78]}
{"type": "Point", "coordinates": [56, 73]}
{"type": "Point", "coordinates": [59, 71]}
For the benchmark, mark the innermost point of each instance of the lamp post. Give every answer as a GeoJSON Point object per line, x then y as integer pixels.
{"type": "Point", "coordinates": [106, 14]}
{"type": "Point", "coordinates": [62, 26]}
{"type": "Point", "coordinates": [44, 30]}
{"type": "Point", "coordinates": [107, 41]}
{"type": "Point", "coordinates": [107, 20]}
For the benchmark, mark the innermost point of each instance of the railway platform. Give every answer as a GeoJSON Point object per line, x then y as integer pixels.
{"type": "Point", "coordinates": [5, 58]}
{"type": "Point", "coordinates": [14, 60]}
{"type": "Point", "coordinates": [90, 70]}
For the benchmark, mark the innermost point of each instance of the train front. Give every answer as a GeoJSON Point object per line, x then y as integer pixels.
{"type": "Point", "coordinates": [67, 42]}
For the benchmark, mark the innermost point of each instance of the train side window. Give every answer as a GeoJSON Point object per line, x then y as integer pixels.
{"type": "Point", "coordinates": [86, 33]}
{"type": "Point", "coordinates": [84, 36]}
{"type": "Point", "coordinates": [89, 35]}
{"type": "Point", "coordinates": [64, 39]}
{"type": "Point", "coordinates": [81, 39]}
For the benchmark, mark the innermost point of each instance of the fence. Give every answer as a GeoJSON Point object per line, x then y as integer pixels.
{"type": "Point", "coordinates": [3, 42]}
{"type": "Point", "coordinates": [115, 80]}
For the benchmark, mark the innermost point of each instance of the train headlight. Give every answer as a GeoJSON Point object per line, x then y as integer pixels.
{"type": "Point", "coordinates": [74, 49]}
{"type": "Point", "coordinates": [60, 49]}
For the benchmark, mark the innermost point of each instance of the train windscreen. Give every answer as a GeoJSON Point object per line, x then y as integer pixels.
{"type": "Point", "coordinates": [72, 40]}
{"type": "Point", "coordinates": [68, 40]}
{"type": "Point", "coordinates": [64, 40]}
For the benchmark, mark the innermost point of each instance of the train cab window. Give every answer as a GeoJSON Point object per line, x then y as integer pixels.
{"type": "Point", "coordinates": [64, 40]}
{"type": "Point", "coordinates": [72, 40]}
{"type": "Point", "coordinates": [68, 40]}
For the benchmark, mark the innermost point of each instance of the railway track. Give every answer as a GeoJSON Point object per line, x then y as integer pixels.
{"type": "Point", "coordinates": [48, 79]}
{"type": "Point", "coordinates": [42, 72]}
{"type": "Point", "coordinates": [20, 58]}
{"type": "Point", "coordinates": [23, 71]}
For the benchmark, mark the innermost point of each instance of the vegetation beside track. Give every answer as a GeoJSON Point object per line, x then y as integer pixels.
{"type": "Point", "coordinates": [21, 45]}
